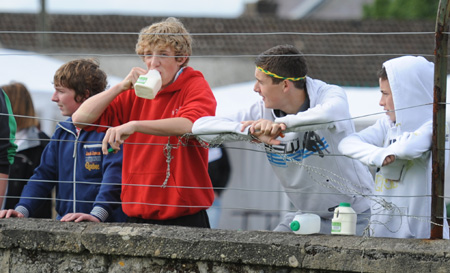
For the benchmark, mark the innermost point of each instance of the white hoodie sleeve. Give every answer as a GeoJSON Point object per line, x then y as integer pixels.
{"type": "Point", "coordinates": [367, 145]}
{"type": "Point", "coordinates": [326, 111]}
{"type": "Point", "coordinates": [228, 128]}
{"type": "Point", "coordinates": [411, 145]}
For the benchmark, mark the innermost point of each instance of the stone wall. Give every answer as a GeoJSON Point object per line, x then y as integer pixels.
{"type": "Point", "coordinates": [35, 245]}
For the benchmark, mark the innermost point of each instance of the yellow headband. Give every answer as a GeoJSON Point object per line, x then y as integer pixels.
{"type": "Point", "coordinates": [279, 77]}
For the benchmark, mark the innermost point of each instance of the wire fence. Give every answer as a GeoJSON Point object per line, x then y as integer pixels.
{"type": "Point", "coordinates": [246, 211]}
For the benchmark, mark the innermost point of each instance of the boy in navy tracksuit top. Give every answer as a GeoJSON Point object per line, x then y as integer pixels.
{"type": "Point", "coordinates": [87, 182]}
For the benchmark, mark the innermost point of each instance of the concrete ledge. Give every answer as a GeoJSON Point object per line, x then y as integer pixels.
{"type": "Point", "coordinates": [36, 245]}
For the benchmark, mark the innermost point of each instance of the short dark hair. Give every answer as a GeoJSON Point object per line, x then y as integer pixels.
{"type": "Point", "coordinates": [293, 65]}
{"type": "Point", "coordinates": [382, 73]}
{"type": "Point", "coordinates": [84, 76]}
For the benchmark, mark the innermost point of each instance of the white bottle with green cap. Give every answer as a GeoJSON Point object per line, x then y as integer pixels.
{"type": "Point", "coordinates": [344, 220]}
{"type": "Point", "coordinates": [306, 223]}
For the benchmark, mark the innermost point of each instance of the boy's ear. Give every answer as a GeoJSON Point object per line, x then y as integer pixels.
{"type": "Point", "coordinates": [181, 60]}
{"type": "Point", "coordinates": [86, 95]}
{"type": "Point", "coordinates": [286, 84]}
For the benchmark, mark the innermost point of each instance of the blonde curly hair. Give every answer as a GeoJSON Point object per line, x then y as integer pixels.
{"type": "Point", "coordinates": [167, 33]}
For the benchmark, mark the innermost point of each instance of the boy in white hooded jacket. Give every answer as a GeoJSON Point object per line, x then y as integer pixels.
{"type": "Point", "coordinates": [301, 121]}
{"type": "Point", "coordinates": [399, 146]}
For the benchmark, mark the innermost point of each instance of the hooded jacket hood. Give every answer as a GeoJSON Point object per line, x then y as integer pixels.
{"type": "Point", "coordinates": [411, 80]}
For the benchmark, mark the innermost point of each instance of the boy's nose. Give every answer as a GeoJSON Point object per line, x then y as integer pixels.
{"type": "Point", "coordinates": [256, 88]}
{"type": "Point", "coordinates": [154, 62]}
{"type": "Point", "coordinates": [54, 97]}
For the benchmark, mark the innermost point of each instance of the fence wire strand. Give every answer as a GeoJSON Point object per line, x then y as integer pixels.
{"type": "Point", "coordinates": [340, 181]}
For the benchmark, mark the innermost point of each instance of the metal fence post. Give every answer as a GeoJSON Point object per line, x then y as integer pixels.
{"type": "Point", "coordinates": [439, 121]}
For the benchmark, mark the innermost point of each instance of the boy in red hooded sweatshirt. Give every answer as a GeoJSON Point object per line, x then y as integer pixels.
{"type": "Point", "coordinates": [165, 176]}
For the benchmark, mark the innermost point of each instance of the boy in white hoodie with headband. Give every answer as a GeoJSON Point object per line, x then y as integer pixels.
{"type": "Point", "coordinates": [399, 145]}
{"type": "Point", "coordinates": [301, 121]}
